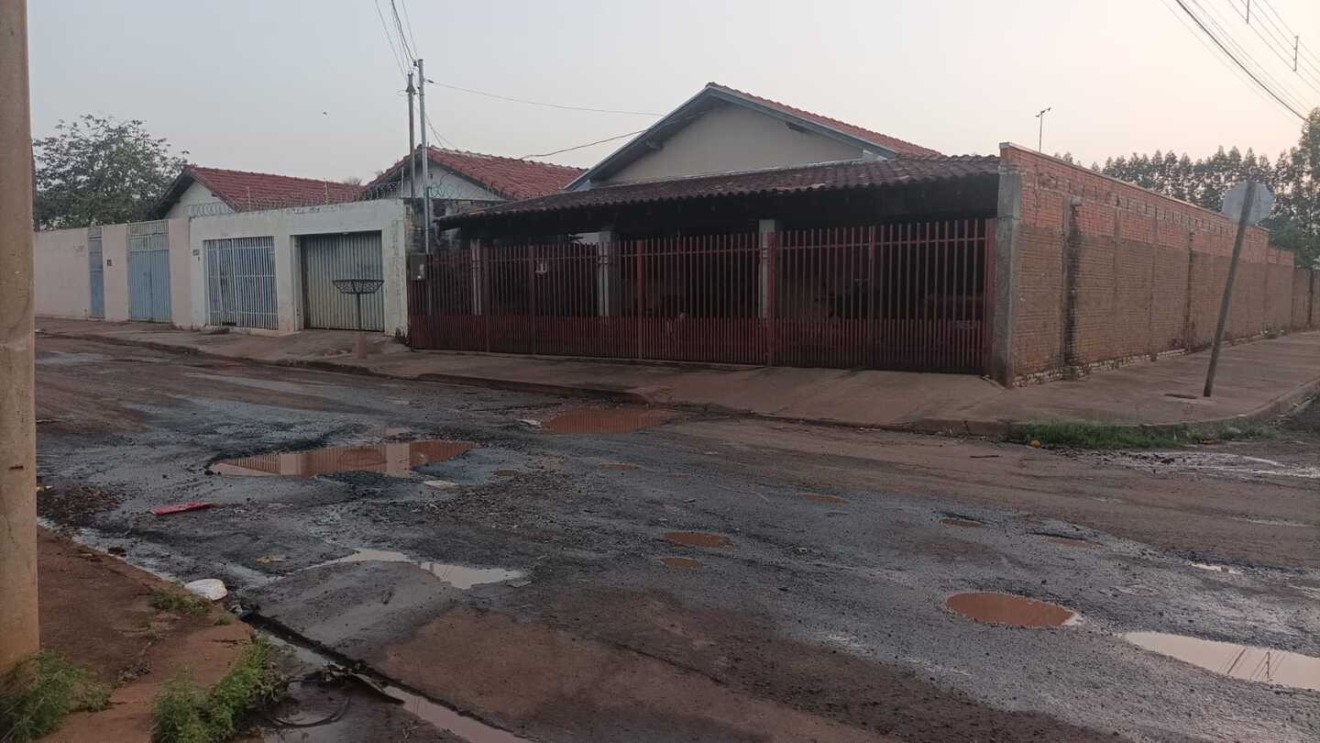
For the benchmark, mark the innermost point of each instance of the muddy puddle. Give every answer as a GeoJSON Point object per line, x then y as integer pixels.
{"type": "Point", "coordinates": [393, 459]}
{"type": "Point", "coordinates": [1244, 662]}
{"type": "Point", "coordinates": [459, 576]}
{"type": "Point", "coordinates": [697, 539]}
{"type": "Point", "coordinates": [604, 420]}
{"type": "Point", "coordinates": [1010, 610]}
{"type": "Point", "coordinates": [681, 563]}
{"type": "Point", "coordinates": [1223, 463]}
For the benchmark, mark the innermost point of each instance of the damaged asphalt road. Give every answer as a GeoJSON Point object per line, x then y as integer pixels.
{"type": "Point", "coordinates": [698, 578]}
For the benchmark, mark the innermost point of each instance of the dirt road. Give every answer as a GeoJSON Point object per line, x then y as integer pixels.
{"type": "Point", "coordinates": [639, 575]}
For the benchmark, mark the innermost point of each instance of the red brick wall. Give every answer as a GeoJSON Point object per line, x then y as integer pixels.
{"type": "Point", "coordinates": [1147, 271]}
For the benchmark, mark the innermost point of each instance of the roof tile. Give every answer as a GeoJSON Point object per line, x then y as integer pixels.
{"type": "Point", "coordinates": [506, 177]}
{"type": "Point", "coordinates": [244, 191]}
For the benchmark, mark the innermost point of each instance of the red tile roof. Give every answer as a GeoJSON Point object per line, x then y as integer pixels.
{"type": "Point", "coordinates": [506, 177]}
{"type": "Point", "coordinates": [893, 143]}
{"type": "Point", "coordinates": [827, 177]}
{"type": "Point", "coordinates": [243, 191]}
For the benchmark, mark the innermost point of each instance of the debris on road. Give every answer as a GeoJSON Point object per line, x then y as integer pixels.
{"type": "Point", "coordinates": [211, 589]}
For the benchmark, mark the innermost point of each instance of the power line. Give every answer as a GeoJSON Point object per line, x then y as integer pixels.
{"type": "Point", "coordinates": [408, 22]}
{"type": "Point", "coordinates": [583, 146]}
{"type": "Point", "coordinates": [1281, 50]}
{"type": "Point", "coordinates": [1282, 90]}
{"type": "Point", "coordinates": [542, 103]}
{"type": "Point", "coordinates": [1237, 61]}
{"type": "Point", "coordinates": [1304, 55]}
{"type": "Point", "coordinates": [389, 39]}
{"type": "Point", "coordinates": [1200, 39]}
{"type": "Point", "coordinates": [403, 38]}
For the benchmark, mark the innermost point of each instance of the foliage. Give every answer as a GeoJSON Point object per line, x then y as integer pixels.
{"type": "Point", "coordinates": [37, 695]}
{"type": "Point", "coordinates": [185, 714]}
{"type": "Point", "coordinates": [1294, 176]}
{"type": "Point", "coordinates": [1081, 435]}
{"type": "Point", "coordinates": [177, 602]}
{"type": "Point", "coordinates": [98, 170]}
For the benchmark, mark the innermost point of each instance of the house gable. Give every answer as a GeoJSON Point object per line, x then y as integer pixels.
{"type": "Point", "coordinates": [729, 138]}
{"type": "Point", "coordinates": [194, 195]}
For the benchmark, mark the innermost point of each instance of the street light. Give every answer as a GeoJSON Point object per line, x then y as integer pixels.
{"type": "Point", "coordinates": [1040, 139]}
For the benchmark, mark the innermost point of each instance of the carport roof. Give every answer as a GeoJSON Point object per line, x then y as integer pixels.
{"type": "Point", "coordinates": [839, 176]}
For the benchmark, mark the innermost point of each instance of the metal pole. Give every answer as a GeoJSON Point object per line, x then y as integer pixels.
{"type": "Point", "coordinates": [412, 139]}
{"type": "Point", "coordinates": [18, 455]}
{"type": "Point", "coordinates": [1040, 138]}
{"type": "Point", "coordinates": [361, 350]}
{"type": "Point", "coordinates": [426, 156]}
{"type": "Point", "coordinates": [1228, 288]}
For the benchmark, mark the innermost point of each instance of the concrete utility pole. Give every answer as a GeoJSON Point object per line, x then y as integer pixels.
{"type": "Point", "coordinates": [426, 157]}
{"type": "Point", "coordinates": [1040, 138]}
{"type": "Point", "coordinates": [412, 139]}
{"type": "Point", "coordinates": [1228, 288]}
{"type": "Point", "coordinates": [18, 434]}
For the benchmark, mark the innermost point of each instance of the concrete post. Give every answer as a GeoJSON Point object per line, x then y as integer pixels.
{"type": "Point", "coordinates": [18, 435]}
{"type": "Point", "coordinates": [478, 280]}
{"type": "Point", "coordinates": [765, 229]}
{"type": "Point", "coordinates": [1008, 224]}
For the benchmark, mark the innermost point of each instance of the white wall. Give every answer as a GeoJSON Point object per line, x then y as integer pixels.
{"type": "Point", "coordinates": [61, 274]}
{"type": "Point", "coordinates": [194, 195]}
{"type": "Point", "coordinates": [285, 226]}
{"type": "Point", "coordinates": [114, 248]}
{"type": "Point", "coordinates": [445, 184]}
{"type": "Point", "coordinates": [181, 263]}
{"type": "Point", "coordinates": [730, 139]}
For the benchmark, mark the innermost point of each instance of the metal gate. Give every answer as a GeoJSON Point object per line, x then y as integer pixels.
{"type": "Point", "coordinates": [326, 258]}
{"type": "Point", "coordinates": [149, 271]}
{"type": "Point", "coordinates": [240, 282]}
{"type": "Point", "coordinates": [96, 271]}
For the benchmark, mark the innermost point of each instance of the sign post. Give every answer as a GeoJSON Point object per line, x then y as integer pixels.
{"type": "Point", "coordinates": [358, 287]}
{"type": "Point", "coordinates": [1249, 202]}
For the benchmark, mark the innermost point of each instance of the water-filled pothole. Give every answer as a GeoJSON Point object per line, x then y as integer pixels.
{"type": "Point", "coordinates": [394, 459]}
{"type": "Point", "coordinates": [681, 563]}
{"type": "Point", "coordinates": [697, 539]}
{"type": "Point", "coordinates": [605, 420]}
{"type": "Point", "coordinates": [1237, 661]}
{"type": "Point", "coordinates": [1005, 608]}
{"type": "Point", "coordinates": [458, 576]}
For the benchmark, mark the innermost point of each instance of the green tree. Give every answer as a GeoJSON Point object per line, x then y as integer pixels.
{"type": "Point", "coordinates": [98, 170]}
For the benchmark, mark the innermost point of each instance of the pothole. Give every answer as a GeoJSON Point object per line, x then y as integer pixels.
{"type": "Point", "coordinates": [459, 576]}
{"type": "Point", "coordinates": [1246, 662]}
{"type": "Point", "coordinates": [697, 539]}
{"type": "Point", "coordinates": [1010, 610]}
{"type": "Point", "coordinates": [1068, 541]}
{"type": "Point", "coordinates": [605, 420]}
{"type": "Point", "coordinates": [393, 459]}
{"type": "Point", "coordinates": [681, 563]}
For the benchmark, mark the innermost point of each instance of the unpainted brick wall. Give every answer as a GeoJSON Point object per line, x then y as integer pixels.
{"type": "Point", "coordinates": [1144, 273]}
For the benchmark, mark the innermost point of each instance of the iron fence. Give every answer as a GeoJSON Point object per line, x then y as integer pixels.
{"type": "Point", "coordinates": [907, 296]}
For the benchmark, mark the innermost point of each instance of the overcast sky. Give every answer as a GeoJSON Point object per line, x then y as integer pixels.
{"type": "Point", "coordinates": [311, 87]}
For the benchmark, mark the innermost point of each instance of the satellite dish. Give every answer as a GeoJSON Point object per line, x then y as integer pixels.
{"type": "Point", "coordinates": [1261, 202]}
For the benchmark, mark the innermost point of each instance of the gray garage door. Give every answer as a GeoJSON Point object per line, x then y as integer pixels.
{"type": "Point", "coordinates": [326, 258]}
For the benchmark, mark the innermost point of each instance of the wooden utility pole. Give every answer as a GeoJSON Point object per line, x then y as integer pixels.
{"type": "Point", "coordinates": [18, 434]}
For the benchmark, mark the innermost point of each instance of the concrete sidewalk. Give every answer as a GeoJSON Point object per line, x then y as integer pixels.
{"type": "Point", "coordinates": [1255, 380]}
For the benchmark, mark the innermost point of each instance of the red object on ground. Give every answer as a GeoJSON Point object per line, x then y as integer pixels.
{"type": "Point", "coordinates": [180, 508]}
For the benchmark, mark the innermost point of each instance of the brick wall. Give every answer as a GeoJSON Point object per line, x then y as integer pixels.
{"type": "Point", "coordinates": [1109, 273]}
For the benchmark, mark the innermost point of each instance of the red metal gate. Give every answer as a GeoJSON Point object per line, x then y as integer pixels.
{"type": "Point", "coordinates": [909, 296]}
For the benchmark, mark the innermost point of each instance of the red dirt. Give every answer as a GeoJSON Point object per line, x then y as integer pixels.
{"type": "Point", "coordinates": [697, 539]}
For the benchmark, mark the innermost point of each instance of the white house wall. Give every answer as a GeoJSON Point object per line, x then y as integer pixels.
{"type": "Point", "coordinates": [445, 184]}
{"type": "Point", "coordinates": [195, 195]}
{"type": "Point", "coordinates": [730, 139]}
{"type": "Point", "coordinates": [285, 226]}
{"type": "Point", "coordinates": [61, 274]}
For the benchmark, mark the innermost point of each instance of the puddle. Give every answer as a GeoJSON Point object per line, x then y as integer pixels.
{"type": "Point", "coordinates": [459, 576]}
{"type": "Point", "coordinates": [828, 499]}
{"type": "Point", "coordinates": [1007, 609]}
{"type": "Point", "coordinates": [1218, 462]}
{"type": "Point", "coordinates": [682, 563]}
{"type": "Point", "coordinates": [1235, 661]}
{"type": "Point", "coordinates": [1215, 568]}
{"type": "Point", "coordinates": [394, 459]}
{"type": "Point", "coordinates": [697, 539]}
{"type": "Point", "coordinates": [1068, 541]}
{"type": "Point", "coordinates": [605, 420]}
{"type": "Point", "coordinates": [960, 521]}
{"type": "Point", "coordinates": [1274, 522]}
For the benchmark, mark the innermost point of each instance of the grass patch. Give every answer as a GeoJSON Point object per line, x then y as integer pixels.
{"type": "Point", "coordinates": [184, 713]}
{"type": "Point", "coordinates": [177, 601]}
{"type": "Point", "coordinates": [1074, 435]}
{"type": "Point", "coordinates": [37, 695]}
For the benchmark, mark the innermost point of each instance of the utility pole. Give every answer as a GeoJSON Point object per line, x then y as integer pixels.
{"type": "Point", "coordinates": [18, 435]}
{"type": "Point", "coordinates": [426, 156]}
{"type": "Point", "coordinates": [1040, 138]}
{"type": "Point", "coordinates": [1297, 42]}
{"type": "Point", "coordinates": [412, 139]}
{"type": "Point", "coordinates": [1228, 288]}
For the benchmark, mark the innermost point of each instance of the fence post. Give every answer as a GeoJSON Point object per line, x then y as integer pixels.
{"type": "Point", "coordinates": [869, 353]}
{"type": "Point", "coordinates": [771, 274]}
{"type": "Point", "coordinates": [531, 294]}
{"type": "Point", "coordinates": [639, 251]}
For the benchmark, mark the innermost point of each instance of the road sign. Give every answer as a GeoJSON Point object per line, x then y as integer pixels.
{"type": "Point", "coordinates": [1260, 206]}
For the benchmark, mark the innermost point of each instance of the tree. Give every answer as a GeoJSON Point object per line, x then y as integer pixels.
{"type": "Point", "coordinates": [1294, 177]}
{"type": "Point", "coordinates": [98, 170]}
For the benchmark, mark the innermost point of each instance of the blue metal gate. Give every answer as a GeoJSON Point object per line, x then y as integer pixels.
{"type": "Point", "coordinates": [96, 271]}
{"type": "Point", "coordinates": [149, 271]}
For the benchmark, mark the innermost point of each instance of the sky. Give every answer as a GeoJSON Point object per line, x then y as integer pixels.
{"type": "Point", "coordinates": [313, 88]}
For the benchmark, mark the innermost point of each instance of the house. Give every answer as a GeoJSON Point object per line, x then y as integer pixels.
{"type": "Point", "coordinates": [199, 192]}
{"type": "Point", "coordinates": [464, 180]}
{"type": "Point", "coordinates": [738, 229]}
